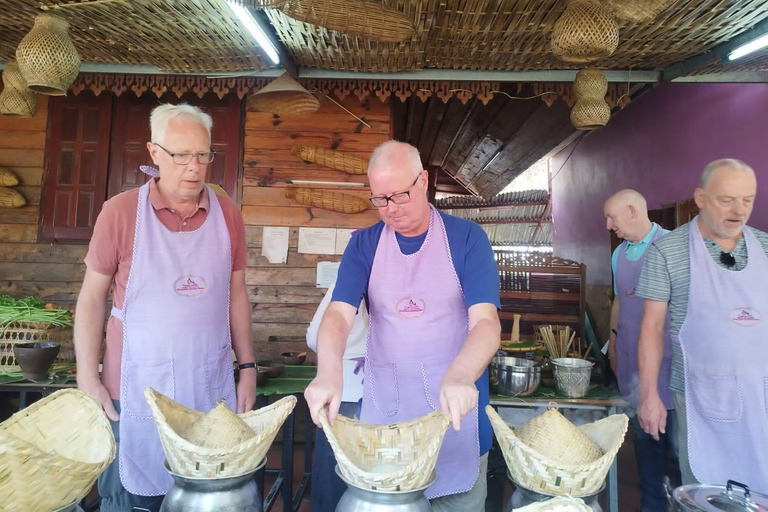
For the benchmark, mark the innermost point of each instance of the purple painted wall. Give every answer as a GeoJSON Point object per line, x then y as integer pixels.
{"type": "Point", "coordinates": [658, 145]}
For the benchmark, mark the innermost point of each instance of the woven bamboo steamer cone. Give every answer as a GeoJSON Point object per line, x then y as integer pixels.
{"type": "Point", "coordinates": [590, 83]}
{"type": "Point", "coordinates": [637, 11]}
{"type": "Point", "coordinates": [370, 20]}
{"type": "Point", "coordinates": [396, 457]}
{"type": "Point", "coordinates": [559, 504]}
{"type": "Point", "coordinates": [16, 99]}
{"type": "Point", "coordinates": [590, 114]}
{"type": "Point", "coordinates": [584, 33]}
{"type": "Point", "coordinates": [218, 428]}
{"type": "Point", "coordinates": [334, 159]}
{"type": "Point", "coordinates": [536, 472]}
{"type": "Point", "coordinates": [188, 459]}
{"type": "Point", "coordinates": [283, 96]}
{"type": "Point", "coordinates": [47, 57]}
{"type": "Point", "coordinates": [327, 199]}
{"type": "Point", "coordinates": [53, 451]}
{"type": "Point", "coordinates": [552, 435]}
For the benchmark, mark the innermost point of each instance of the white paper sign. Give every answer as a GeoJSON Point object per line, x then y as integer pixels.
{"type": "Point", "coordinates": [317, 240]}
{"type": "Point", "coordinates": [326, 273]}
{"type": "Point", "coordinates": [274, 244]}
{"type": "Point", "coordinates": [342, 239]}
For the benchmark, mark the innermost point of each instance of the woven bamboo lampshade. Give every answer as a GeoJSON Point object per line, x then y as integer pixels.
{"type": "Point", "coordinates": [47, 57]}
{"type": "Point", "coordinates": [585, 32]}
{"type": "Point", "coordinates": [283, 96]}
{"type": "Point", "coordinates": [637, 11]}
{"type": "Point", "coordinates": [16, 98]}
{"type": "Point", "coordinates": [591, 110]}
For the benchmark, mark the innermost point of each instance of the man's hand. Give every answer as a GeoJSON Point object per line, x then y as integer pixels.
{"type": "Point", "coordinates": [324, 391]}
{"type": "Point", "coordinates": [246, 390]}
{"type": "Point", "coordinates": [653, 416]}
{"type": "Point", "coordinates": [458, 396]}
{"type": "Point", "coordinates": [97, 390]}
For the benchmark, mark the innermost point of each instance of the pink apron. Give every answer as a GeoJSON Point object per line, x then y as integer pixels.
{"type": "Point", "coordinates": [628, 331]}
{"type": "Point", "coordinates": [419, 323]}
{"type": "Point", "coordinates": [176, 335]}
{"type": "Point", "coordinates": [725, 348]}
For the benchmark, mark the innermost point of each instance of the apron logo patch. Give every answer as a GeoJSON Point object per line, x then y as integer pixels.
{"type": "Point", "coordinates": [410, 307]}
{"type": "Point", "coordinates": [190, 286]}
{"type": "Point", "coordinates": [746, 317]}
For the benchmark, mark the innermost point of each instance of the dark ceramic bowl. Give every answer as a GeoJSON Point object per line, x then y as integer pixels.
{"type": "Point", "coordinates": [262, 376]}
{"type": "Point", "coordinates": [274, 370]}
{"type": "Point", "coordinates": [294, 357]}
{"type": "Point", "coordinates": [35, 359]}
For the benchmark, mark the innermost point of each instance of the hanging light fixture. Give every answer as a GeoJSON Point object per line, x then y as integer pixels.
{"type": "Point", "coordinates": [47, 57]}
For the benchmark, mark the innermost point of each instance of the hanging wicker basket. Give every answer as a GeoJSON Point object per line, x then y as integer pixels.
{"type": "Point", "coordinates": [590, 83]}
{"type": "Point", "coordinates": [637, 11]}
{"type": "Point", "coordinates": [396, 457]}
{"type": "Point", "coordinates": [16, 98]}
{"type": "Point", "coordinates": [585, 32]}
{"type": "Point", "coordinates": [47, 57]}
{"type": "Point", "coordinates": [53, 451]}
{"type": "Point", "coordinates": [188, 459]}
{"type": "Point", "coordinates": [338, 160]}
{"type": "Point", "coordinates": [327, 199]}
{"type": "Point", "coordinates": [590, 114]}
{"type": "Point", "coordinates": [283, 96]}
{"type": "Point", "coordinates": [539, 473]}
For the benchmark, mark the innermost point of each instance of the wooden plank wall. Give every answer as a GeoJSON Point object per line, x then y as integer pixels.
{"type": "Point", "coordinates": [284, 296]}
{"type": "Point", "coordinates": [51, 271]}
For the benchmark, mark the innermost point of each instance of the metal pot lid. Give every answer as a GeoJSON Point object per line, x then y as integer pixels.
{"type": "Point", "coordinates": [733, 497]}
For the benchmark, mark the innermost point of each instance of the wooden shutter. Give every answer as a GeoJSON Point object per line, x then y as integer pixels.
{"type": "Point", "coordinates": [77, 157]}
{"type": "Point", "coordinates": [131, 134]}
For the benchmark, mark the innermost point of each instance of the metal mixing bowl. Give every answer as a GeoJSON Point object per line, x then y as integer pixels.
{"type": "Point", "coordinates": [513, 376]}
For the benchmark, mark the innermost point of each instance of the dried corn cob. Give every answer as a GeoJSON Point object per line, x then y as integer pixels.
{"type": "Point", "coordinates": [9, 198]}
{"type": "Point", "coordinates": [327, 199]}
{"type": "Point", "coordinates": [8, 178]}
{"type": "Point", "coordinates": [331, 158]}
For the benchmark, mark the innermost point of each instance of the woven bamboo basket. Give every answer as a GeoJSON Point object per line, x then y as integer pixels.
{"type": "Point", "coordinates": [188, 459]}
{"type": "Point", "coordinates": [31, 332]}
{"type": "Point", "coordinates": [334, 159]}
{"type": "Point", "coordinates": [53, 451]}
{"type": "Point", "coordinates": [371, 20]}
{"type": "Point", "coordinates": [16, 98]}
{"type": "Point", "coordinates": [283, 96]}
{"type": "Point", "coordinates": [590, 114]}
{"type": "Point", "coordinates": [396, 457]}
{"type": "Point", "coordinates": [8, 178]}
{"type": "Point", "coordinates": [327, 199]}
{"type": "Point", "coordinates": [47, 57]}
{"type": "Point", "coordinates": [590, 83]}
{"type": "Point", "coordinates": [637, 11]}
{"type": "Point", "coordinates": [539, 473]}
{"type": "Point", "coordinates": [10, 198]}
{"type": "Point", "coordinates": [585, 32]}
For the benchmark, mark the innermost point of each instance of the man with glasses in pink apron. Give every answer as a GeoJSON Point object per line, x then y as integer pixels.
{"type": "Point", "coordinates": [175, 253]}
{"type": "Point", "coordinates": [432, 287]}
{"type": "Point", "coordinates": [626, 214]}
{"type": "Point", "coordinates": [711, 275]}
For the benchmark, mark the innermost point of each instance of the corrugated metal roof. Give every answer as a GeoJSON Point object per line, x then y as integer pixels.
{"type": "Point", "coordinates": [522, 218]}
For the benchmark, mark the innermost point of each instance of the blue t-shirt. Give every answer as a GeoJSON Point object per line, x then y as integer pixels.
{"type": "Point", "coordinates": [475, 267]}
{"type": "Point", "coordinates": [634, 251]}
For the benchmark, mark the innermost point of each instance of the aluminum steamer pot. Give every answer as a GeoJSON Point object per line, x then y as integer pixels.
{"type": "Point", "coordinates": [732, 497]}
{"type": "Point", "coordinates": [513, 376]}
{"type": "Point", "coordinates": [357, 499]}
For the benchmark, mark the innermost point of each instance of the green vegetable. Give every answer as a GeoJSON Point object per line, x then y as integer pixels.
{"type": "Point", "coordinates": [30, 309]}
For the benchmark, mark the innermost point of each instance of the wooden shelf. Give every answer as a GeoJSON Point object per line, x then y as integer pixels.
{"type": "Point", "coordinates": [513, 294]}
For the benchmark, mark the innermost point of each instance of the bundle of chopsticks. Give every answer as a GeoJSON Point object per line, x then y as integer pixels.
{"type": "Point", "coordinates": [557, 341]}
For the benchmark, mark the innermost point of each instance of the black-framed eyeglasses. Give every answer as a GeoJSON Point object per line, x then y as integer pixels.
{"type": "Point", "coordinates": [398, 198]}
{"type": "Point", "coordinates": [727, 259]}
{"type": "Point", "coordinates": [185, 158]}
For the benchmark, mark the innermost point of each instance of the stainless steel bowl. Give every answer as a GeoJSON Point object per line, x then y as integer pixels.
{"type": "Point", "coordinates": [513, 376]}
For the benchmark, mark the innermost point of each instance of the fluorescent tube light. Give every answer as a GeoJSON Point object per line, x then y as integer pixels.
{"type": "Point", "coordinates": [253, 26]}
{"type": "Point", "coordinates": [750, 47]}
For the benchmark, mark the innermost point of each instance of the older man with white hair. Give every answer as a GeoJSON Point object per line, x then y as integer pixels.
{"type": "Point", "coordinates": [432, 286]}
{"type": "Point", "coordinates": [711, 275]}
{"type": "Point", "coordinates": [626, 214]}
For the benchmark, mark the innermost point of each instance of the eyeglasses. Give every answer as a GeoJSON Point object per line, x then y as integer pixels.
{"type": "Point", "coordinates": [398, 198]}
{"type": "Point", "coordinates": [727, 259]}
{"type": "Point", "coordinates": [185, 158]}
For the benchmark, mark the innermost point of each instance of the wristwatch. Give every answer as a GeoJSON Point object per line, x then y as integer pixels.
{"type": "Point", "coordinates": [245, 366]}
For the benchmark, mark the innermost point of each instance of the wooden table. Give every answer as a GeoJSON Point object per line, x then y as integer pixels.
{"type": "Point", "coordinates": [608, 405]}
